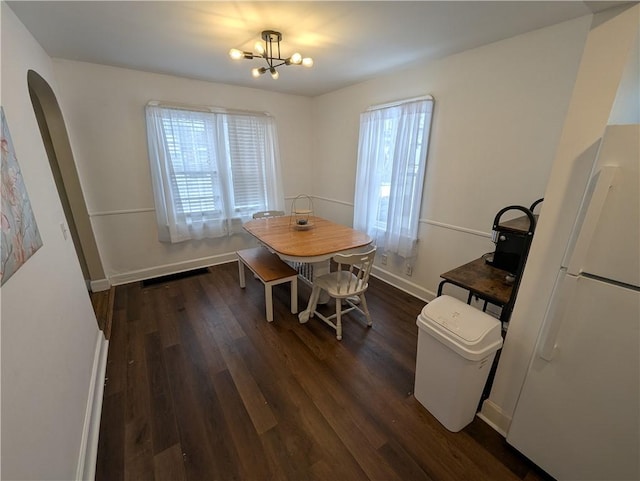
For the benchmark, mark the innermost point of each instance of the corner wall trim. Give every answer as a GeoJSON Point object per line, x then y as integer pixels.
{"type": "Point", "coordinates": [456, 227]}
{"type": "Point", "coordinates": [100, 285]}
{"type": "Point", "coordinates": [89, 443]}
{"type": "Point", "coordinates": [122, 212]}
{"type": "Point", "coordinates": [334, 201]}
{"type": "Point", "coordinates": [494, 417]}
{"type": "Point", "coordinates": [422, 221]}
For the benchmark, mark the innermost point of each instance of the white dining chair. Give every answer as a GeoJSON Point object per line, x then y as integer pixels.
{"type": "Point", "coordinates": [350, 279]}
{"type": "Point", "coordinates": [268, 213]}
{"type": "Point", "coordinates": [265, 214]}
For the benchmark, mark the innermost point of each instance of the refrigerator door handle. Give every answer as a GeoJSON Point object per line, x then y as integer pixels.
{"type": "Point", "coordinates": [587, 219]}
{"type": "Point", "coordinates": [556, 309]}
{"type": "Point", "coordinates": [577, 248]}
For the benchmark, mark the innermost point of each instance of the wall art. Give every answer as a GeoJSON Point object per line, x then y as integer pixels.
{"type": "Point", "coordinates": [20, 235]}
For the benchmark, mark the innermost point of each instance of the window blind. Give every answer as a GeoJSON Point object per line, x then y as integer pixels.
{"type": "Point", "coordinates": [211, 168]}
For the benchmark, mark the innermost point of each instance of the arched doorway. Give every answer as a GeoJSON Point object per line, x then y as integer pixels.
{"type": "Point", "coordinates": [56, 142]}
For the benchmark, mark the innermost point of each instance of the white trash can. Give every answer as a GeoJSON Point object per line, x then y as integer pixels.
{"type": "Point", "coordinates": [456, 347]}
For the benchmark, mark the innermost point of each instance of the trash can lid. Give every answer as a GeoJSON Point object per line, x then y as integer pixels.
{"type": "Point", "coordinates": [469, 331]}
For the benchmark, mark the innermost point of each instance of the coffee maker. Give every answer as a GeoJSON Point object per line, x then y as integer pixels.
{"type": "Point", "coordinates": [513, 239]}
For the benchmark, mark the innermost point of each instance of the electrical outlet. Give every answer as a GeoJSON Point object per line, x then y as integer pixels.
{"type": "Point", "coordinates": [408, 270]}
{"type": "Point", "coordinates": [383, 259]}
{"type": "Point", "coordinates": [65, 231]}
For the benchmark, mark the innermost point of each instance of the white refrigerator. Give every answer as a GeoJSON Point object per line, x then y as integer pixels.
{"type": "Point", "coordinates": [578, 414]}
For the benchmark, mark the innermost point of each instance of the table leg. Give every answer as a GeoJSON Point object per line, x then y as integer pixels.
{"type": "Point", "coordinates": [307, 272]}
{"type": "Point", "coordinates": [320, 269]}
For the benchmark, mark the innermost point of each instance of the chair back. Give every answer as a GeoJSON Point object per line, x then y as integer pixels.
{"type": "Point", "coordinates": [353, 271]}
{"type": "Point", "coordinates": [268, 213]}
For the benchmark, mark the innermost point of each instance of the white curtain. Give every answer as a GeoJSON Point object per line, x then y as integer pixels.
{"type": "Point", "coordinates": [253, 162]}
{"type": "Point", "coordinates": [392, 154]}
{"type": "Point", "coordinates": [210, 171]}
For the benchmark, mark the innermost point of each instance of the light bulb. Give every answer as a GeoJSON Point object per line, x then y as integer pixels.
{"type": "Point", "coordinates": [296, 58]}
{"type": "Point", "coordinates": [259, 48]}
{"type": "Point", "coordinates": [307, 62]}
{"type": "Point", "coordinates": [255, 72]}
{"type": "Point", "coordinates": [236, 54]}
{"type": "Point", "coordinates": [274, 73]}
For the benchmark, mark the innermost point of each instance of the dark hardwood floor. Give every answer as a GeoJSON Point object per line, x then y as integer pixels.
{"type": "Point", "coordinates": [200, 387]}
{"type": "Point", "coordinates": [102, 303]}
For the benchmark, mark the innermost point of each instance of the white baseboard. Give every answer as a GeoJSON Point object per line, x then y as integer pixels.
{"type": "Point", "coordinates": [167, 269]}
{"type": "Point", "coordinates": [495, 417]}
{"type": "Point", "coordinates": [100, 285]}
{"type": "Point", "coordinates": [402, 284]}
{"type": "Point", "coordinates": [86, 468]}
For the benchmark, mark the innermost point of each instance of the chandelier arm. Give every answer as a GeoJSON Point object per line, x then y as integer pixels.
{"type": "Point", "coordinates": [280, 64]}
{"type": "Point", "coordinates": [271, 58]}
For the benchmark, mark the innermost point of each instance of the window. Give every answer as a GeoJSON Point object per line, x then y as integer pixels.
{"type": "Point", "coordinates": [392, 159]}
{"type": "Point", "coordinates": [211, 170]}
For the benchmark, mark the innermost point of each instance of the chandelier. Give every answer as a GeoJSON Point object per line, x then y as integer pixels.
{"type": "Point", "coordinates": [270, 51]}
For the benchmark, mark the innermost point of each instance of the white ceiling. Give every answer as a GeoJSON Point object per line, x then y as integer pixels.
{"type": "Point", "coordinates": [349, 41]}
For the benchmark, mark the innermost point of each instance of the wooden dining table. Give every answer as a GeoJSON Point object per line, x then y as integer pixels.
{"type": "Point", "coordinates": [317, 241]}
{"type": "Point", "coordinates": [308, 248]}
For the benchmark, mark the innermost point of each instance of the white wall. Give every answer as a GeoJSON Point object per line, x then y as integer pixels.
{"type": "Point", "coordinates": [48, 329]}
{"type": "Point", "coordinates": [499, 111]}
{"type": "Point", "coordinates": [104, 111]}
{"type": "Point", "coordinates": [626, 108]}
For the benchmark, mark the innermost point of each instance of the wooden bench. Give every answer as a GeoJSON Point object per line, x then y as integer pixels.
{"type": "Point", "coordinates": [270, 270]}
